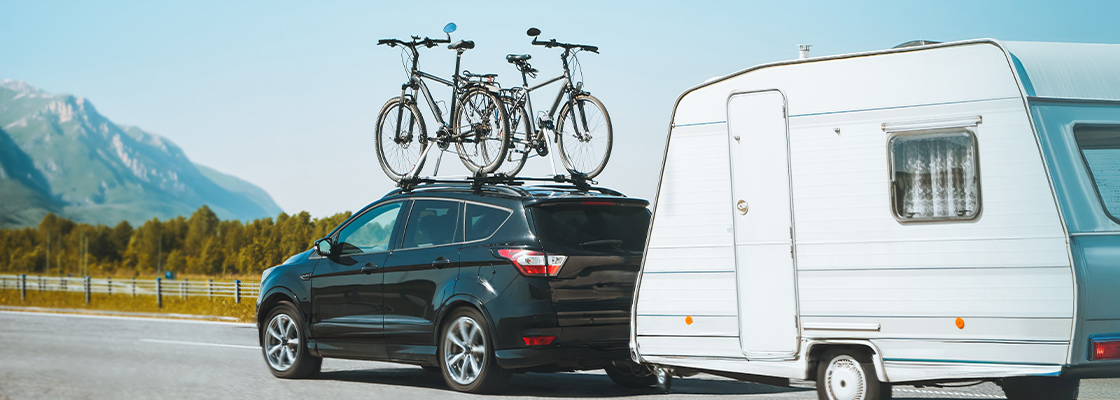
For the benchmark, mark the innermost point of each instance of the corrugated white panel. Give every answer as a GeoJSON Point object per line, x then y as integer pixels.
{"type": "Point", "coordinates": [964, 292]}
{"type": "Point", "coordinates": [943, 75]}
{"type": "Point", "coordinates": [690, 346]}
{"type": "Point", "coordinates": [702, 325]}
{"type": "Point", "coordinates": [682, 294]}
{"type": "Point", "coordinates": [916, 351]}
{"type": "Point", "coordinates": [917, 253]}
{"type": "Point", "coordinates": [975, 328]}
{"type": "Point", "coordinates": [692, 207]}
{"type": "Point", "coordinates": [694, 259]}
{"type": "Point", "coordinates": [841, 183]}
{"type": "Point", "coordinates": [1069, 70]}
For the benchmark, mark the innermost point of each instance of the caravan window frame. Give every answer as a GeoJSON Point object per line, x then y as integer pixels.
{"type": "Point", "coordinates": [1089, 168]}
{"type": "Point", "coordinates": [893, 186]}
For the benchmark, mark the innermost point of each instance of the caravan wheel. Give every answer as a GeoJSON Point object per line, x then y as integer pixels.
{"type": "Point", "coordinates": [845, 375]}
{"type": "Point", "coordinates": [1040, 387]}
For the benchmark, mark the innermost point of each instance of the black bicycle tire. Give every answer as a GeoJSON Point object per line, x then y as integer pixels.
{"type": "Point", "coordinates": [526, 123]}
{"type": "Point", "coordinates": [495, 160]}
{"type": "Point", "coordinates": [562, 119]}
{"type": "Point", "coordinates": [378, 142]}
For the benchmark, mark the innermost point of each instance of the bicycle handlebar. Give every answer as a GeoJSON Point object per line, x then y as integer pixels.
{"type": "Point", "coordinates": [416, 42]}
{"type": "Point", "coordinates": [553, 43]}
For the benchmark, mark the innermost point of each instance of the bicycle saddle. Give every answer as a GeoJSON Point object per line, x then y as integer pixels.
{"type": "Point", "coordinates": [462, 44]}
{"type": "Point", "coordinates": [512, 58]}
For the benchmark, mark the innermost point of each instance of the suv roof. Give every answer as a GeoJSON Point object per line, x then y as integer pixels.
{"type": "Point", "coordinates": [510, 188]}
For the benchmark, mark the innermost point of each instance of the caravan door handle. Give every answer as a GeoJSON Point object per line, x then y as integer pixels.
{"type": "Point", "coordinates": [368, 268]}
{"type": "Point", "coordinates": [742, 207]}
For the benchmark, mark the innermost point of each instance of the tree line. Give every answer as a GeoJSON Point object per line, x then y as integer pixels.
{"type": "Point", "coordinates": [199, 245]}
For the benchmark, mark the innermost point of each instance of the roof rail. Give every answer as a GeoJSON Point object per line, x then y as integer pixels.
{"type": "Point", "coordinates": [480, 181]}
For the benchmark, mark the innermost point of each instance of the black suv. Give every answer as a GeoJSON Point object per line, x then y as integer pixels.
{"type": "Point", "coordinates": [475, 281]}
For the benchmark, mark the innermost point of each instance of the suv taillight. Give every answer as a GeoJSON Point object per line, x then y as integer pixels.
{"type": "Point", "coordinates": [534, 263]}
{"type": "Point", "coordinates": [1104, 348]}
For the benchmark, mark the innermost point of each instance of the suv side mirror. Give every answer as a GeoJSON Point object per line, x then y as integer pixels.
{"type": "Point", "coordinates": [323, 246]}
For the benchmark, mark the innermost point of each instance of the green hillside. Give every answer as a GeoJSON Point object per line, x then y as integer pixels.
{"type": "Point", "coordinates": [59, 154]}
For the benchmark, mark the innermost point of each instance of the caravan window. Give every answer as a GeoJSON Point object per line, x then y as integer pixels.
{"type": "Point", "coordinates": [934, 176]}
{"type": "Point", "coordinates": [1100, 147]}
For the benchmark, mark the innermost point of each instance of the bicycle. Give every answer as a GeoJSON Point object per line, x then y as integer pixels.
{"type": "Point", "coordinates": [479, 125]}
{"type": "Point", "coordinates": [583, 130]}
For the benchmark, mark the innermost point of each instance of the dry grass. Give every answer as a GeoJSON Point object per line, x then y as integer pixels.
{"type": "Point", "coordinates": [219, 306]}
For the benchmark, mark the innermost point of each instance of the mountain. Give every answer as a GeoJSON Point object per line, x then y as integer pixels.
{"type": "Point", "coordinates": [58, 154]}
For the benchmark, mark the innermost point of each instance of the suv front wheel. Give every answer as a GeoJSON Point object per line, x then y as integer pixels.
{"type": "Point", "coordinates": [285, 344]}
{"type": "Point", "coordinates": [466, 354]}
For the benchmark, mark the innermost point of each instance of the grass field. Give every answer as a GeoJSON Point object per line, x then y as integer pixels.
{"type": "Point", "coordinates": [218, 306]}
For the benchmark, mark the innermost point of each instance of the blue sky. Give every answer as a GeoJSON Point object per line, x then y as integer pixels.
{"type": "Point", "coordinates": [285, 94]}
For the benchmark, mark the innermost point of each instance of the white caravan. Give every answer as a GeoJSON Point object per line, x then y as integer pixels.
{"type": "Point", "coordinates": [924, 214]}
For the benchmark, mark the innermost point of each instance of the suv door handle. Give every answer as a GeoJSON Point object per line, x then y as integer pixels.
{"type": "Point", "coordinates": [441, 262]}
{"type": "Point", "coordinates": [368, 268]}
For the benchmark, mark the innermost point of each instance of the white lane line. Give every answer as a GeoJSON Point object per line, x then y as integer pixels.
{"type": "Point", "coordinates": [124, 318]}
{"type": "Point", "coordinates": [947, 393]}
{"type": "Point", "coordinates": [232, 346]}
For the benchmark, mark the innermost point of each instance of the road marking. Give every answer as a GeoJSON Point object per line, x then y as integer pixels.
{"type": "Point", "coordinates": [152, 317]}
{"type": "Point", "coordinates": [232, 346]}
{"type": "Point", "coordinates": [947, 393]}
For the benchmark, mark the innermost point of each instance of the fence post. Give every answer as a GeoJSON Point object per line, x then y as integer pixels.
{"type": "Point", "coordinates": [183, 288]}
{"type": "Point", "coordinates": [134, 286]}
{"type": "Point", "coordinates": [109, 285]}
{"type": "Point", "coordinates": [210, 289]}
{"type": "Point", "coordinates": [22, 287]}
{"type": "Point", "coordinates": [159, 292]}
{"type": "Point", "coordinates": [237, 291]}
{"type": "Point", "coordinates": [63, 281]}
{"type": "Point", "coordinates": [87, 290]}
{"type": "Point", "coordinates": [40, 283]}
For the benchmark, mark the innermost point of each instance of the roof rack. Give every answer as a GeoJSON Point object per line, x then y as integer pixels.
{"type": "Point", "coordinates": [479, 181]}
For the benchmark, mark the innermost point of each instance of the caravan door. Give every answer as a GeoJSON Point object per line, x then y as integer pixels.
{"type": "Point", "coordinates": [763, 220]}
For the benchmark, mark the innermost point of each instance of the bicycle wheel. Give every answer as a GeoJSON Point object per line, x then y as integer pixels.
{"type": "Point", "coordinates": [480, 130]}
{"type": "Point", "coordinates": [520, 126]}
{"type": "Point", "coordinates": [584, 136]}
{"type": "Point", "coordinates": [400, 138]}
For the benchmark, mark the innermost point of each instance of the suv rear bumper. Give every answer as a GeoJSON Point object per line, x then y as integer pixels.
{"type": "Point", "coordinates": [575, 348]}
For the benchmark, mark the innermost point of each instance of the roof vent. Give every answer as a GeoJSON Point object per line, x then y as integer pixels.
{"type": "Point", "coordinates": [913, 43]}
{"type": "Point", "coordinates": [803, 51]}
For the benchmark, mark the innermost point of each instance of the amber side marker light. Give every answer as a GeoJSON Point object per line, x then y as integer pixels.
{"type": "Point", "coordinates": [1104, 348]}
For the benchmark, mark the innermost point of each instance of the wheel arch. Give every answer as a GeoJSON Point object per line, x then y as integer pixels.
{"type": "Point", "coordinates": [459, 301]}
{"type": "Point", "coordinates": [273, 297]}
{"type": "Point", "coordinates": [817, 348]}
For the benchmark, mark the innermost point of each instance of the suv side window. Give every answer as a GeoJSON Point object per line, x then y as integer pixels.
{"type": "Point", "coordinates": [371, 231]}
{"type": "Point", "coordinates": [432, 223]}
{"type": "Point", "coordinates": [482, 221]}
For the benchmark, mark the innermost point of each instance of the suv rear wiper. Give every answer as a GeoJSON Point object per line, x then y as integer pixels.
{"type": "Point", "coordinates": [610, 242]}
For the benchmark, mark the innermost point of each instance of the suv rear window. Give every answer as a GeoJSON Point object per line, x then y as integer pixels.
{"type": "Point", "coordinates": [599, 227]}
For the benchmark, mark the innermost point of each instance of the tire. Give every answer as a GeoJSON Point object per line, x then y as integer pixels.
{"type": "Point", "coordinates": [1041, 388]}
{"type": "Point", "coordinates": [520, 126]}
{"type": "Point", "coordinates": [285, 344]}
{"type": "Point", "coordinates": [631, 375]}
{"type": "Point", "coordinates": [848, 375]}
{"type": "Point", "coordinates": [399, 144]}
{"type": "Point", "coordinates": [585, 150]}
{"type": "Point", "coordinates": [466, 354]}
{"type": "Point", "coordinates": [480, 130]}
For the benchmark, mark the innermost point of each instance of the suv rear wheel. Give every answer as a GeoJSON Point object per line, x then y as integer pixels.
{"type": "Point", "coordinates": [466, 354]}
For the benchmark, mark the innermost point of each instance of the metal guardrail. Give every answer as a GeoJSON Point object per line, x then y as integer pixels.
{"type": "Point", "coordinates": [183, 288]}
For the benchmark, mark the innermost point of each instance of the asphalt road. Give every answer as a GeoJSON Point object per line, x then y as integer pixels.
{"type": "Point", "coordinates": [60, 356]}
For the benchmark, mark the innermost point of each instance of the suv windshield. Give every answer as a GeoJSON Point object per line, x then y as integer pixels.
{"type": "Point", "coordinates": [591, 226]}
{"type": "Point", "coordinates": [1100, 146]}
